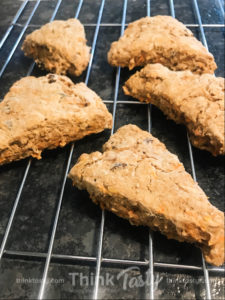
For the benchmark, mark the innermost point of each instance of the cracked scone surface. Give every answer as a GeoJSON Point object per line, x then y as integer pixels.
{"type": "Point", "coordinates": [161, 39]}
{"type": "Point", "coordinates": [47, 112]}
{"type": "Point", "coordinates": [59, 47]}
{"type": "Point", "coordinates": [194, 100]}
{"type": "Point", "coordinates": [137, 178]}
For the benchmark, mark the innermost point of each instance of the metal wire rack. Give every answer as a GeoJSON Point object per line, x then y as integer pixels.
{"type": "Point", "coordinates": [49, 256]}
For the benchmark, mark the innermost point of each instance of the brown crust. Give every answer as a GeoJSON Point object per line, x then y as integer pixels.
{"type": "Point", "coordinates": [137, 178]}
{"type": "Point", "coordinates": [59, 47]}
{"type": "Point", "coordinates": [196, 101]}
{"type": "Point", "coordinates": [47, 112]}
{"type": "Point", "coordinates": [161, 39]}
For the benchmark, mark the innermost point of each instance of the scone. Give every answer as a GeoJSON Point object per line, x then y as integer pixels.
{"type": "Point", "coordinates": [161, 39]}
{"type": "Point", "coordinates": [196, 101]}
{"type": "Point", "coordinates": [47, 112]}
{"type": "Point", "coordinates": [137, 178]}
{"type": "Point", "coordinates": [59, 47]}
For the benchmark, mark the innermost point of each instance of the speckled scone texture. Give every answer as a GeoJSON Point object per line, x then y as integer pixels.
{"type": "Point", "coordinates": [161, 39]}
{"type": "Point", "coordinates": [191, 99]}
{"type": "Point", "coordinates": [137, 178]}
{"type": "Point", "coordinates": [47, 112]}
{"type": "Point", "coordinates": [59, 47]}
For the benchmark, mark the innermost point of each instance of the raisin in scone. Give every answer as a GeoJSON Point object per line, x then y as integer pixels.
{"type": "Point", "coordinates": [196, 101]}
{"type": "Point", "coordinates": [137, 178]}
{"type": "Point", "coordinates": [47, 112]}
{"type": "Point", "coordinates": [161, 39]}
{"type": "Point", "coordinates": [59, 47]}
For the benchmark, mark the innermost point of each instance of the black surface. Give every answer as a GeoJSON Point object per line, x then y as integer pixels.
{"type": "Point", "coordinates": [79, 221]}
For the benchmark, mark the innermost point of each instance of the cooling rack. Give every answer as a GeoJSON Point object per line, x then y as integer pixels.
{"type": "Point", "coordinates": [27, 19]}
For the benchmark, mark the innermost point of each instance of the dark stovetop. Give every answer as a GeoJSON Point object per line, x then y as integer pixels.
{"type": "Point", "coordinates": [79, 221]}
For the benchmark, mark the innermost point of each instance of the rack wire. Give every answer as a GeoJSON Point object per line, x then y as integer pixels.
{"type": "Point", "coordinates": [49, 257]}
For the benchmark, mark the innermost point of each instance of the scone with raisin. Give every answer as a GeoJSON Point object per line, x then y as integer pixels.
{"type": "Point", "coordinates": [138, 179]}
{"type": "Point", "coordinates": [59, 47]}
{"type": "Point", "coordinates": [47, 112]}
{"type": "Point", "coordinates": [161, 39]}
{"type": "Point", "coordinates": [194, 100]}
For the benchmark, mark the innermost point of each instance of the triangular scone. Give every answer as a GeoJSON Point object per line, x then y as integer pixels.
{"type": "Point", "coordinates": [161, 39]}
{"type": "Point", "coordinates": [196, 101]}
{"type": "Point", "coordinates": [59, 47]}
{"type": "Point", "coordinates": [47, 112]}
{"type": "Point", "coordinates": [137, 178]}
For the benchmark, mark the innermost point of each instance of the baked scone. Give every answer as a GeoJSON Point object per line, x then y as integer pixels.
{"type": "Point", "coordinates": [137, 178]}
{"type": "Point", "coordinates": [59, 47]}
{"type": "Point", "coordinates": [161, 39]}
{"type": "Point", "coordinates": [47, 112]}
{"type": "Point", "coordinates": [191, 99]}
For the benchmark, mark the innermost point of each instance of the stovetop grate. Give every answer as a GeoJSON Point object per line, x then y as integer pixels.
{"type": "Point", "coordinates": [49, 256]}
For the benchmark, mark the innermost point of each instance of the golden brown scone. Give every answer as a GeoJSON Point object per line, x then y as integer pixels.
{"type": "Point", "coordinates": [137, 178]}
{"type": "Point", "coordinates": [161, 39]}
{"type": "Point", "coordinates": [191, 99]}
{"type": "Point", "coordinates": [59, 47]}
{"type": "Point", "coordinates": [47, 112]}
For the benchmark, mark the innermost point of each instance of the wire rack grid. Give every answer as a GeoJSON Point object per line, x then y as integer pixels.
{"type": "Point", "coordinates": [49, 256]}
